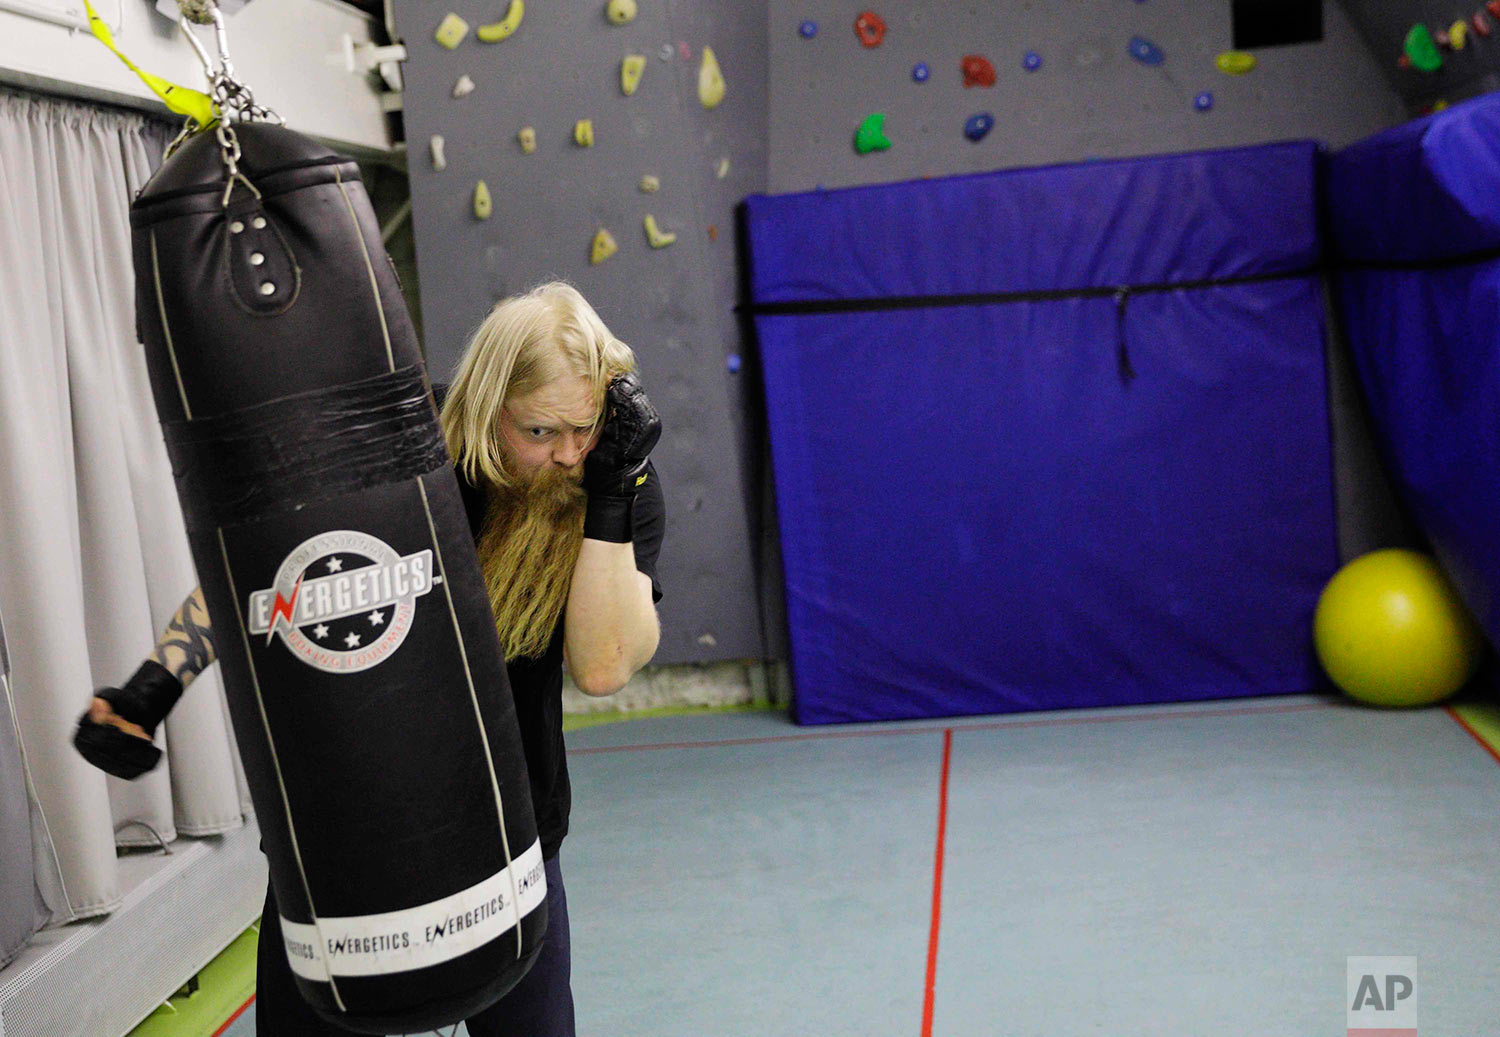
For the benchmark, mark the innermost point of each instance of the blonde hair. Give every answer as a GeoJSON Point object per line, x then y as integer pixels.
{"type": "Point", "coordinates": [525, 342]}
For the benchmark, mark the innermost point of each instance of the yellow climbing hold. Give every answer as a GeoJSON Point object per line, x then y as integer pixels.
{"type": "Point", "coordinates": [630, 72]}
{"type": "Point", "coordinates": [583, 133]}
{"type": "Point", "coordinates": [1235, 62]}
{"type": "Point", "coordinates": [655, 235]}
{"type": "Point", "coordinates": [1458, 34]}
{"type": "Point", "coordinates": [482, 205]}
{"type": "Point", "coordinates": [620, 11]}
{"type": "Point", "coordinates": [650, 184]}
{"type": "Point", "coordinates": [604, 246]}
{"type": "Point", "coordinates": [502, 30]}
{"type": "Point", "coordinates": [527, 137]}
{"type": "Point", "coordinates": [452, 30]}
{"type": "Point", "coordinates": [710, 80]}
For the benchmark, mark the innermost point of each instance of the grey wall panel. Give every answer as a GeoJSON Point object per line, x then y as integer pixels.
{"type": "Point", "coordinates": [1090, 98]}
{"type": "Point", "coordinates": [674, 306]}
{"type": "Point", "coordinates": [1473, 70]}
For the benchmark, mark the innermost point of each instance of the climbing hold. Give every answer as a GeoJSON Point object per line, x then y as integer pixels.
{"type": "Point", "coordinates": [451, 31]}
{"type": "Point", "coordinates": [631, 67]}
{"type": "Point", "coordinates": [1146, 52]}
{"type": "Point", "coordinates": [713, 232]}
{"type": "Point", "coordinates": [666, 52]}
{"type": "Point", "coordinates": [1204, 101]}
{"type": "Point", "coordinates": [920, 72]}
{"type": "Point", "coordinates": [871, 134]}
{"type": "Point", "coordinates": [464, 87]}
{"type": "Point", "coordinates": [684, 51]}
{"type": "Point", "coordinates": [870, 28]}
{"type": "Point", "coordinates": [733, 363]}
{"type": "Point", "coordinates": [1493, 6]}
{"type": "Point", "coordinates": [710, 80]}
{"type": "Point", "coordinates": [502, 30]}
{"type": "Point", "coordinates": [650, 184]}
{"type": "Point", "coordinates": [1458, 34]}
{"type": "Point", "coordinates": [722, 169]}
{"type": "Point", "coordinates": [603, 247]}
{"type": "Point", "coordinates": [1422, 49]}
{"type": "Point", "coordinates": [1481, 24]}
{"type": "Point", "coordinates": [1032, 61]}
{"type": "Point", "coordinates": [527, 137]}
{"type": "Point", "coordinates": [1441, 38]}
{"type": "Point", "coordinates": [1235, 62]}
{"type": "Point", "coordinates": [1404, 61]}
{"type": "Point", "coordinates": [977, 71]}
{"type": "Point", "coordinates": [655, 235]}
{"type": "Point", "coordinates": [620, 12]}
{"type": "Point", "coordinates": [583, 133]}
{"type": "Point", "coordinates": [439, 163]}
{"type": "Point", "coordinates": [482, 205]}
{"type": "Point", "coordinates": [808, 29]}
{"type": "Point", "coordinates": [976, 126]}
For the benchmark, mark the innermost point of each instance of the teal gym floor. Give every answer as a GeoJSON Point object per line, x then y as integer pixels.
{"type": "Point", "coordinates": [1190, 869]}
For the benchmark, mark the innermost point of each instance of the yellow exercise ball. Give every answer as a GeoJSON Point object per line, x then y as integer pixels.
{"type": "Point", "coordinates": [1391, 631]}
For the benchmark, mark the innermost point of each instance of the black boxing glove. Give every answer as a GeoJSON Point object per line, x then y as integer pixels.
{"type": "Point", "coordinates": [145, 699]}
{"type": "Point", "coordinates": [616, 468]}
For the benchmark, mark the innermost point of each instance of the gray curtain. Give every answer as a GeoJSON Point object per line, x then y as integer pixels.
{"type": "Point", "coordinates": [93, 555]}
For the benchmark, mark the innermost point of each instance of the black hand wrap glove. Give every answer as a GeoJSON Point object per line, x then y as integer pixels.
{"type": "Point", "coordinates": [145, 699]}
{"type": "Point", "coordinates": [616, 468]}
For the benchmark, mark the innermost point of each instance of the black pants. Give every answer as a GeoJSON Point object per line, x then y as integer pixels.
{"type": "Point", "coordinates": [540, 1005]}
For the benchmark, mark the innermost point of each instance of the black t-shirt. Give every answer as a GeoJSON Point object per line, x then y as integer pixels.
{"type": "Point", "coordinates": [536, 683]}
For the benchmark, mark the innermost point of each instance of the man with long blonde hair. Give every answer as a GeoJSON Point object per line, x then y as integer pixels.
{"type": "Point", "coordinates": [550, 431]}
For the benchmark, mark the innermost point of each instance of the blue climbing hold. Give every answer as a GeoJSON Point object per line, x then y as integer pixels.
{"type": "Point", "coordinates": [1204, 101]}
{"type": "Point", "coordinates": [808, 29]}
{"type": "Point", "coordinates": [1146, 52]}
{"type": "Point", "coordinates": [976, 126]}
{"type": "Point", "coordinates": [920, 72]}
{"type": "Point", "coordinates": [733, 363]}
{"type": "Point", "coordinates": [1032, 61]}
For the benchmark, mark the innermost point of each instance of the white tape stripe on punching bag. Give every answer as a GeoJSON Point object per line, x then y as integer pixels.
{"type": "Point", "coordinates": [429, 934]}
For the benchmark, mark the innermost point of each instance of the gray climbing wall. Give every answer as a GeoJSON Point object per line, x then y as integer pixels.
{"type": "Point", "coordinates": [674, 306]}
{"type": "Point", "coordinates": [1088, 98]}
{"type": "Point", "coordinates": [1473, 70]}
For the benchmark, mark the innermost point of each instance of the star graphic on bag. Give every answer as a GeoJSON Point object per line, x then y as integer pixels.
{"type": "Point", "coordinates": [352, 640]}
{"type": "Point", "coordinates": [376, 618]}
{"type": "Point", "coordinates": [320, 631]}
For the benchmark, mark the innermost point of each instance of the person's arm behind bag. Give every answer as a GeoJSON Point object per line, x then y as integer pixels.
{"type": "Point", "coordinates": [116, 734]}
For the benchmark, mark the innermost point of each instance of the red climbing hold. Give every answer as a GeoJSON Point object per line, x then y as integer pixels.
{"type": "Point", "coordinates": [1481, 24]}
{"type": "Point", "coordinates": [979, 72]}
{"type": "Point", "coordinates": [870, 28]}
{"type": "Point", "coordinates": [1494, 7]}
{"type": "Point", "coordinates": [1404, 61]}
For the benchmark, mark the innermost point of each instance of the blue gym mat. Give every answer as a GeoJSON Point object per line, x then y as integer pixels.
{"type": "Point", "coordinates": [1415, 216]}
{"type": "Point", "coordinates": [1075, 496]}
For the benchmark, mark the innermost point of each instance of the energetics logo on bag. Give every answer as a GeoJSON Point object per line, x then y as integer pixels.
{"type": "Point", "coordinates": [1382, 997]}
{"type": "Point", "coordinates": [342, 601]}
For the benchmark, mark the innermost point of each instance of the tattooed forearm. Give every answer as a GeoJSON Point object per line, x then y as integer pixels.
{"type": "Point", "coordinates": [186, 647]}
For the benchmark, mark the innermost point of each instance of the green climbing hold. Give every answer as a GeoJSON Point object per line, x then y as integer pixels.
{"type": "Point", "coordinates": [1423, 49]}
{"type": "Point", "coordinates": [871, 135]}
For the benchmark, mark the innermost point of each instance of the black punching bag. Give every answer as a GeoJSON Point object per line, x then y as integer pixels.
{"type": "Point", "coordinates": [364, 676]}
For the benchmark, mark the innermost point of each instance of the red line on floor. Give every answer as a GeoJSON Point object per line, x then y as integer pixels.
{"type": "Point", "coordinates": [230, 1021]}
{"type": "Point", "coordinates": [1486, 746]}
{"type": "Point", "coordinates": [937, 887]}
{"type": "Point", "coordinates": [1128, 718]}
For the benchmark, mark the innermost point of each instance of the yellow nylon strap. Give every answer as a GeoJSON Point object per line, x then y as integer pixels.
{"type": "Point", "coordinates": [191, 103]}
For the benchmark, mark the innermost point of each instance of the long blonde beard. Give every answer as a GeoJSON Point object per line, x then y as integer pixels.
{"type": "Point", "coordinates": [527, 550]}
